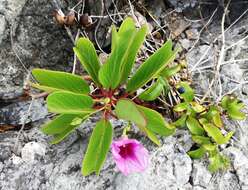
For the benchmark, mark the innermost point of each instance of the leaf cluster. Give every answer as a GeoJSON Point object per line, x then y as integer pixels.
{"type": "Point", "coordinates": [114, 93]}
{"type": "Point", "coordinates": [206, 125]}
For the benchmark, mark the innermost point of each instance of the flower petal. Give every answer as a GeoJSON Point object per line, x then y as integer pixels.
{"type": "Point", "coordinates": [135, 159]}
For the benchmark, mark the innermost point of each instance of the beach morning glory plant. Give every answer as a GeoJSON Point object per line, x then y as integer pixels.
{"type": "Point", "coordinates": [113, 94]}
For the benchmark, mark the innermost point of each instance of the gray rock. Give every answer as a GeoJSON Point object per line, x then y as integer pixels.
{"type": "Point", "coordinates": [240, 165]}
{"type": "Point", "coordinates": [186, 44]}
{"type": "Point", "coordinates": [201, 176]}
{"type": "Point", "coordinates": [229, 181]}
{"type": "Point", "coordinates": [181, 5]}
{"type": "Point", "coordinates": [2, 27]}
{"type": "Point", "coordinates": [59, 167]}
{"type": "Point", "coordinates": [36, 39]}
{"type": "Point", "coordinates": [17, 113]}
{"type": "Point", "coordinates": [30, 150]}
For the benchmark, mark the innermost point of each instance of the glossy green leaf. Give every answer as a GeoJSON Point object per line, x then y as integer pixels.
{"type": "Point", "coordinates": [214, 115]}
{"type": "Point", "coordinates": [181, 122]}
{"type": "Point", "coordinates": [198, 153]}
{"type": "Point", "coordinates": [233, 107]}
{"type": "Point", "coordinates": [188, 94]}
{"type": "Point", "coordinates": [203, 121]}
{"type": "Point", "coordinates": [58, 125]}
{"type": "Point", "coordinates": [51, 81]}
{"type": "Point", "coordinates": [216, 134]}
{"type": "Point", "coordinates": [197, 107]}
{"type": "Point", "coordinates": [156, 123]}
{"type": "Point", "coordinates": [154, 91]}
{"type": "Point", "coordinates": [129, 60]}
{"type": "Point", "coordinates": [210, 147]}
{"type": "Point", "coordinates": [234, 110]}
{"type": "Point", "coordinates": [115, 37]}
{"type": "Point", "coordinates": [170, 71]}
{"type": "Point", "coordinates": [194, 126]}
{"type": "Point", "coordinates": [98, 147]}
{"type": "Point", "coordinates": [128, 110]}
{"type": "Point", "coordinates": [61, 136]}
{"type": "Point", "coordinates": [123, 54]}
{"type": "Point", "coordinates": [149, 134]}
{"type": "Point", "coordinates": [69, 103]}
{"type": "Point", "coordinates": [224, 102]}
{"type": "Point", "coordinates": [181, 107]}
{"type": "Point", "coordinates": [201, 139]}
{"type": "Point", "coordinates": [152, 67]}
{"type": "Point", "coordinates": [87, 56]}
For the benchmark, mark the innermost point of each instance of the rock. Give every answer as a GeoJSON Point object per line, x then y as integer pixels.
{"type": "Point", "coordinates": [192, 34]}
{"type": "Point", "coordinates": [37, 40]}
{"type": "Point", "coordinates": [16, 159]}
{"type": "Point", "coordinates": [186, 44]}
{"type": "Point", "coordinates": [30, 150]}
{"type": "Point", "coordinates": [141, 20]}
{"type": "Point", "coordinates": [16, 113]}
{"type": "Point", "coordinates": [2, 27]}
{"type": "Point", "coordinates": [240, 165]}
{"type": "Point", "coordinates": [200, 175]}
{"type": "Point", "coordinates": [181, 5]}
{"type": "Point", "coordinates": [230, 79]}
{"type": "Point", "coordinates": [229, 181]}
{"type": "Point", "coordinates": [177, 25]}
{"type": "Point", "coordinates": [43, 166]}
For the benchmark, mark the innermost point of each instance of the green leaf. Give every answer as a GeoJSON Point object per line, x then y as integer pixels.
{"type": "Point", "coordinates": [218, 162]}
{"type": "Point", "coordinates": [194, 126]}
{"type": "Point", "coordinates": [188, 95]}
{"type": "Point", "coordinates": [59, 137]}
{"type": "Point", "coordinates": [154, 91]}
{"type": "Point", "coordinates": [224, 102]}
{"type": "Point", "coordinates": [214, 114]}
{"type": "Point", "coordinates": [181, 107]}
{"type": "Point", "coordinates": [168, 72]}
{"type": "Point", "coordinates": [234, 110]}
{"type": "Point", "coordinates": [126, 109]}
{"type": "Point", "coordinates": [198, 108]}
{"type": "Point", "coordinates": [132, 52]}
{"type": "Point", "coordinates": [181, 122]}
{"type": "Point", "coordinates": [51, 81]}
{"type": "Point", "coordinates": [233, 106]}
{"type": "Point", "coordinates": [86, 53]}
{"type": "Point", "coordinates": [210, 147]}
{"type": "Point", "coordinates": [114, 38]}
{"type": "Point", "coordinates": [216, 134]}
{"type": "Point", "coordinates": [149, 134]}
{"type": "Point", "coordinates": [59, 132]}
{"type": "Point", "coordinates": [69, 103]}
{"type": "Point", "coordinates": [156, 123]}
{"type": "Point", "coordinates": [58, 125]}
{"type": "Point", "coordinates": [98, 147]}
{"type": "Point", "coordinates": [152, 67]}
{"type": "Point", "coordinates": [197, 154]}
{"type": "Point", "coordinates": [110, 74]}
{"type": "Point", "coordinates": [201, 140]}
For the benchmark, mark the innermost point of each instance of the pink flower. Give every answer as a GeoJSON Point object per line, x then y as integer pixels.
{"type": "Point", "coordinates": [129, 155]}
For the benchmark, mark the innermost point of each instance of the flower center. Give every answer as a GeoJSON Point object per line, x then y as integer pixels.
{"type": "Point", "coordinates": [126, 151]}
